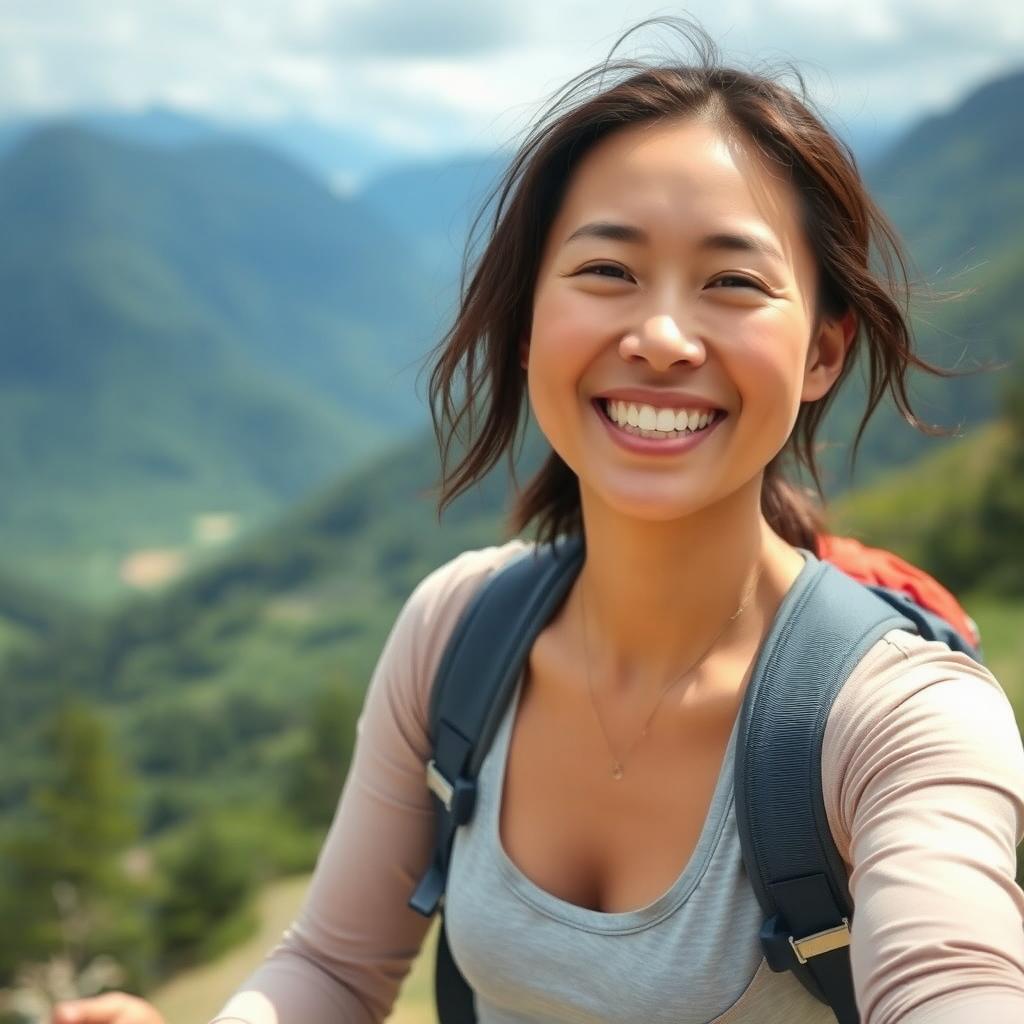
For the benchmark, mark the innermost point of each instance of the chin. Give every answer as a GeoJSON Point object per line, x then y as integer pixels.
{"type": "Point", "coordinates": [648, 507]}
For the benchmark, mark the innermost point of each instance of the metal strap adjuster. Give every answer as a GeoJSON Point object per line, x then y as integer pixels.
{"type": "Point", "coordinates": [439, 785]}
{"type": "Point", "coordinates": [458, 799]}
{"type": "Point", "coordinates": [821, 942]}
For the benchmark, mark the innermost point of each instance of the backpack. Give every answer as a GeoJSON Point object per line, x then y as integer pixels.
{"type": "Point", "coordinates": [824, 626]}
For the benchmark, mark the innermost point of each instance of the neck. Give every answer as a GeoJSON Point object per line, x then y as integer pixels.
{"type": "Point", "coordinates": [658, 596]}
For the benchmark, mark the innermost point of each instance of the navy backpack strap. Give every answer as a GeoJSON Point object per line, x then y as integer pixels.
{"type": "Point", "coordinates": [473, 685]}
{"type": "Point", "coordinates": [825, 625]}
{"type": "Point", "coordinates": [927, 623]}
{"type": "Point", "coordinates": [827, 622]}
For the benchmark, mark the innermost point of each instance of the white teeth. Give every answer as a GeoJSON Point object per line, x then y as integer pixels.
{"type": "Point", "coordinates": [648, 421]}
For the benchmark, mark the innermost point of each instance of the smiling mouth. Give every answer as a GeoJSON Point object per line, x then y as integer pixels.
{"type": "Point", "coordinates": [619, 413]}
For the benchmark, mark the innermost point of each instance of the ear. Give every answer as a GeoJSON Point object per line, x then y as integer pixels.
{"type": "Point", "coordinates": [827, 354]}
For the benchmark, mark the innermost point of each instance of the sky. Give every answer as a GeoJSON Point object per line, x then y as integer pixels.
{"type": "Point", "coordinates": [435, 76]}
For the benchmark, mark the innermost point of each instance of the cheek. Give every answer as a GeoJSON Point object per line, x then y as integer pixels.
{"type": "Point", "coordinates": [564, 338]}
{"type": "Point", "coordinates": [765, 357]}
{"type": "Point", "coordinates": [565, 320]}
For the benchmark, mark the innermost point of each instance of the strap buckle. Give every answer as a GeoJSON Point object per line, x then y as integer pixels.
{"type": "Point", "coordinates": [781, 946]}
{"type": "Point", "coordinates": [458, 799]}
{"type": "Point", "coordinates": [821, 942]}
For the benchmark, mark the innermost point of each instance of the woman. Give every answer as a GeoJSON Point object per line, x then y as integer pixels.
{"type": "Point", "coordinates": [679, 278]}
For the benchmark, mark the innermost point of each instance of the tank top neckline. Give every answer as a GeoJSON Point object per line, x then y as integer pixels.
{"type": "Point", "coordinates": [583, 917]}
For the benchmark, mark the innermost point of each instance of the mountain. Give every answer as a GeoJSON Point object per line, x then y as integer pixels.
{"type": "Point", "coordinates": [870, 138]}
{"type": "Point", "coordinates": [196, 324]}
{"type": "Point", "coordinates": [341, 156]}
{"type": "Point", "coordinates": [155, 126]}
{"type": "Point", "coordinates": [433, 203]}
{"type": "Point", "coordinates": [204, 328]}
{"type": "Point", "coordinates": [952, 188]}
{"type": "Point", "coordinates": [952, 183]}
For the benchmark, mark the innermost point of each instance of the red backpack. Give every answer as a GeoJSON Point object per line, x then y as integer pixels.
{"type": "Point", "coordinates": [883, 568]}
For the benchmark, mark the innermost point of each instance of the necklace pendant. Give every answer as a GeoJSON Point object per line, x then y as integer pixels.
{"type": "Point", "coordinates": [617, 771]}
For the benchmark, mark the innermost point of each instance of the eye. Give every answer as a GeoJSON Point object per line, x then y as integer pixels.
{"type": "Point", "coordinates": [600, 268]}
{"type": "Point", "coordinates": [736, 281]}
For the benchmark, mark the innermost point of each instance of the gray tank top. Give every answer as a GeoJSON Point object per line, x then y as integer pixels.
{"type": "Point", "coordinates": [691, 957]}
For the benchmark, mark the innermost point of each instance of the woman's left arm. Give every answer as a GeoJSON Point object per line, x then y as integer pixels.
{"type": "Point", "coordinates": [923, 772]}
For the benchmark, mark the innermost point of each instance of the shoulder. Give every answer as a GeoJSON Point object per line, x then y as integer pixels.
{"type": "Point", "coordinates": [903, 671]}
{"type": "Point", "coordinates": [430, 614]}
{"type": "Point", "coordinates": [913, 709]}
{"type": "Point", "coordinates": [438, 600]}
{"type": "Point", "coordinates": [399, 692]}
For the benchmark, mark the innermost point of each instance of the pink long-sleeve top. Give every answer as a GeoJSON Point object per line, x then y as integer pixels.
{"type": "Point", "coordinates": [923, 776]}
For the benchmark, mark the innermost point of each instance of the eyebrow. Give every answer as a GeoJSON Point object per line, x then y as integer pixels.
{"type": "Point", "coordinates": [637, 236]}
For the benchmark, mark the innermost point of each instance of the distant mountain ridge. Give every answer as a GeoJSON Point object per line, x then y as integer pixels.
{"type": "Point", "coordinates": [338, 155]}
{"type": "Point", "coordinates": [204, 326]}
{"type": "Point", "coordinates": [953, 188]}
{"type": "Point", "coordinates": [953, 182]}
{"type": "Point", "coordinates": [208, 327]}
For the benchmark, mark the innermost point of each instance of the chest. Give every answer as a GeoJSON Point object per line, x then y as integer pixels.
{"type": "Point", "coordinates": [598, 842]}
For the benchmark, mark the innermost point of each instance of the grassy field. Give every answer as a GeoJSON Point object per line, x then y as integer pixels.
{"type": "Point", "coordinates": [1002, 639]}
{"type": "Point", "coordinates": [195, 996]}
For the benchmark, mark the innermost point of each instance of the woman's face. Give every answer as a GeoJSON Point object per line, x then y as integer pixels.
{"type": "Point", "coordinates": [675, 277]}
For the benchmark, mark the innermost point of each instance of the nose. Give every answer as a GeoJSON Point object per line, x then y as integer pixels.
{"type": "Point", "coordinates": [660, 343]}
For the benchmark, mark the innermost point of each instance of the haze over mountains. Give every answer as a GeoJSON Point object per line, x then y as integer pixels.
{"type": "Point", "coordinates": [953, 187]}
{"type": "Point", "coordinates": [198, 324]}
{"type": "Point", "coordinates": [201, 328]}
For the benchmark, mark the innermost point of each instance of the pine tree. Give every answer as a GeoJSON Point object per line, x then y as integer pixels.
{"type": "Point", "coordinates": [316, 774]}
{"type": "Point", "coordinates": [65, 890]}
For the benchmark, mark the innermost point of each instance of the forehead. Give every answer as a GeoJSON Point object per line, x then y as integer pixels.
{"type": "Point", "coordinates": [678, 179]}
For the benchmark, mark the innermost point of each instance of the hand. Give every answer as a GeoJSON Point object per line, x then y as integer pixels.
{"type": "Point", "coordinates": [110, 1008]}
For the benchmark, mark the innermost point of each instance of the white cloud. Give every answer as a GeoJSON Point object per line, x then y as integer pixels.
{"type": "Point", "coordinates": [440, 28]}
{"type": "Point", "coordinates": [470, 72]}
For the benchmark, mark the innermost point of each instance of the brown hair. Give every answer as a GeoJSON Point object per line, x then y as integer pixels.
{"type": "Point", "coordinates": [477, 386]}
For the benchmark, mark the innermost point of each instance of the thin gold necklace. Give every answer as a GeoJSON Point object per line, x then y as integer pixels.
{"type": "Point", "coordinates": [618, 764]}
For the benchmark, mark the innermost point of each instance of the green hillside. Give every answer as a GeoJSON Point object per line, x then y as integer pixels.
{"type": "Point", "coordinates": [203, 329]}
{"type": "Point", "coordinates": [308, 601]}
{"type": "Point", "coordinates": [925, 179]}
{"type": "Point", "coordinates": [960, 513]}
{"type": "Point", "coordinates": [905, 509]}
{"type": "Point", "coordinates": [952, 187]}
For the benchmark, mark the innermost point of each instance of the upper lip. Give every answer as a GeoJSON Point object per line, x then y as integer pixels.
{"type": "Point", "coordinates": [659, 397]}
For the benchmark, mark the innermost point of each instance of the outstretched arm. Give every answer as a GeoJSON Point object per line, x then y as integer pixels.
{"type": "Point", "coordinates": [924, 775]}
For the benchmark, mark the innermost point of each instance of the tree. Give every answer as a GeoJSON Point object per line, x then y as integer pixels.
{"type": "Point", "coordinates": [208, 879]}
{"type": "Point", "coordinates": [1000, 521]}
{"type": "Point", "coordinates": [65, 889]}
{"type": "Point", "coordinates": [318, 769]}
